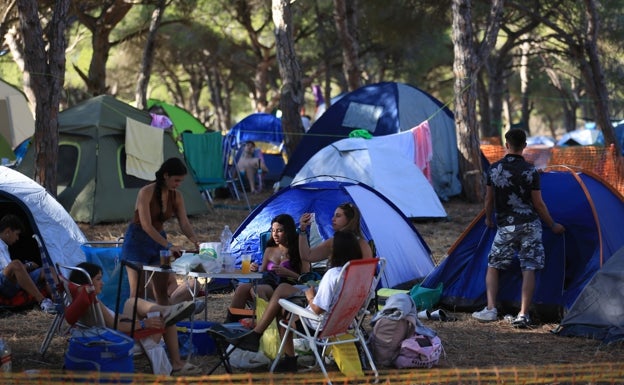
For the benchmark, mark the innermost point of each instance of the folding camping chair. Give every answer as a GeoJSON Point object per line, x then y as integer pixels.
{"type": "Point", "coordinates": [359, 279]}
{"type": "Point", "coordinates": [204, 155]}
{"type": "Point", "coordinates": [82, 311]}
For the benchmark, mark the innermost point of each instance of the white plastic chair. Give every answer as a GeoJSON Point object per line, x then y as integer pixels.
{"type": "Point", "coordinates": [359, 279]}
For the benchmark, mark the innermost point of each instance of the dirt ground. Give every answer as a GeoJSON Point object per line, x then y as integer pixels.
{"type": "Point", "coordinates": [467, 343]}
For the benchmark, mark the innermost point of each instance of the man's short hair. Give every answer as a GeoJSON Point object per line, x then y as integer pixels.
{"type": "Point", "coordinates": [12, 222]}
{"type": "Point", "coordinates": [516, 138]}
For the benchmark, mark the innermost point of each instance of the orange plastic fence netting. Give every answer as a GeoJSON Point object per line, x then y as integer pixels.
{"type": "Point", "coordinates": [589, 373]}
{"type": "Point", "coordinates": [600, 160]}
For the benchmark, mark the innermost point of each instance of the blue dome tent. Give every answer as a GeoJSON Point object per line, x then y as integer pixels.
{"type": "Point", "coordinates": [396, 239]}
{"type": "Point", "coordinates": [593, 215]}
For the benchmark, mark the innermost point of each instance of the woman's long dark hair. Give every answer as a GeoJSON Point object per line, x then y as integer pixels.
{"type": "Point", "coordinates": [171, 167]}
{"type": "Point", "coordinates": [345, 247]}
{"type": "Point", "coordinates": [78, 277]}
{"type": "Point", "coordinates": [292, 239]}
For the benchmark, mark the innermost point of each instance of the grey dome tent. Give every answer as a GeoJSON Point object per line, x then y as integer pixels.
{"type": "Point", "coordinates": [598, 312]}
{"type": "Point", "coordinates": [93, 185]}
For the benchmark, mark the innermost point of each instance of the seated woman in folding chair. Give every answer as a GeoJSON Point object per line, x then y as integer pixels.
{"type": "Point", "coordinates": [169, 316]}
{"type": "Point", "coordinates": [249, 163]}
{"type": "Point", "coordinates": [281, 263]}
{"type": "Point", "coordinates": [345, 248]}
{"type": "Point", "coordinates": [346, 218]}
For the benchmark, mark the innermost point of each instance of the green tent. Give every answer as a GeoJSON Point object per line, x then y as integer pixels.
{"type": "Point", "coordinates": [92, 183]}
{"type": "Point", "coordinates": [5, 150]}
{"type": "Point", "coordinates": [182, 120]}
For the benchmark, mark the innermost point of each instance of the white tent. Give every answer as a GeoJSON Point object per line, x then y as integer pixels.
{"type": "Point", "coordinates": [16, 120]}
{"type": "Point", "coordinates": [385, 163]}
{"type": "Point", "coordinates": [59, 233]}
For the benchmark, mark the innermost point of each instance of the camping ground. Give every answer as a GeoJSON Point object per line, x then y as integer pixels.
{"type": "Point", "coordinates": [468, 344]}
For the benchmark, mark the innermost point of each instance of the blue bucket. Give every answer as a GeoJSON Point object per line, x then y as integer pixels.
{"type": "Point", "coordinates": [99, 349]}
{"type": "Point", "coordinates": [199, 340]}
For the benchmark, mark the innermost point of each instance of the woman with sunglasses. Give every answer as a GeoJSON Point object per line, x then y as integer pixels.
{"type": "Point", "coordinates": [346, 218]}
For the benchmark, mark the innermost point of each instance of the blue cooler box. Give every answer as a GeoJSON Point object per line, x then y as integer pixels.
{"type": "Point", "coordinates": [201, 343]}
{"type": "Point", "coordinates": [99, 349]}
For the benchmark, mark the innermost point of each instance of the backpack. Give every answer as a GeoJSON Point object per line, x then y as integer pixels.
{"type": "Point", "coordinates": [385, 341]}
{"type": "Point", "coordinates": [419, 351]}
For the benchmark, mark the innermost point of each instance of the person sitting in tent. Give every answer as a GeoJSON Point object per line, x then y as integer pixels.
{"type": "Point", "coordinates": [346, 218]}
{"type": "Point", "coordinates": [169, 316]}
{"type": "Point", "coordinates": [318, 299]}
{"type": "Point", "coordinates": [250, 161]}
{"type": "Point", "coordinates": [145, 237]}
{"type": "Point", "coordinates": [281, 263]}
{"type": "Point", "coordinates": [16, 275]}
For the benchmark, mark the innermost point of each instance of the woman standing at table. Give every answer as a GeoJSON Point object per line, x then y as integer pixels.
{"type": "Point", "coordinates": [145, 237]}
{"type": "Point", "coordinates": [346, 218]}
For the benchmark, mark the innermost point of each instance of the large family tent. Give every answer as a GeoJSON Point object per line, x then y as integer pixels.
{"type": "Point", "coordinates": [593, 215]}
{"type": "Point", "coordinates": [598, 312]}
{"type": "Point", "coordinates": [43, 216]}
{"type": "Point", "coordinates": [93, 185]}
{"type": "Point", "coordinates": [265, 130]}
{"type": "Point", "coordinates": [408, 256]}
{"type": "Point", "coordinates": [16, 120]}
{"type": "Point", "coordinates": [384, 163]}
{"type": "Point", "coordinates": [383, 109]}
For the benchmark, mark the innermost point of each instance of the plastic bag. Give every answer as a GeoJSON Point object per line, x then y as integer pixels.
{"type": "Point", "coordinates": [424, 297]}
{"type": "Point", "coordinates": [210, 257]}
{"type": "Point", "coordinates": [245, 359]}
{"type": "Point", "coordinates": [187, 262]}
{"type": "Point", "coordinates": [419, 351]}
{"type": "Point", "coordinates": [347, 357]}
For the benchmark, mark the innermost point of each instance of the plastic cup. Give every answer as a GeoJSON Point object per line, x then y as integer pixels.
{"type": "Point", "coordinates": [229, 261]}
{"type": "Point", "coordinates": [165, 259]}
{"type": "Point", "coordinates": [246, 263]}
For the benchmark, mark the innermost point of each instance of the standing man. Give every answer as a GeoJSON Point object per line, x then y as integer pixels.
{"type": "Point", "coordinates": [15, 275]}
{"type": "Point", "coordinates": [513, 189]}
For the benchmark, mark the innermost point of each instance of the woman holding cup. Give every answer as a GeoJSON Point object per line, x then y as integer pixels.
{"type": "Point", "coordinates": [145, 237]}
{"type": "Point", "coordinates": [281, 263]}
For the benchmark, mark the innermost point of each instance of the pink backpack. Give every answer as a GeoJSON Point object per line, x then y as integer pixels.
{"type": "Point", "coordinates": [419, 351]}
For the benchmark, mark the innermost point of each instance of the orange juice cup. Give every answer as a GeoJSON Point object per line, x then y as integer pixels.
{"type": "Point", "coordinates": [246, 263]}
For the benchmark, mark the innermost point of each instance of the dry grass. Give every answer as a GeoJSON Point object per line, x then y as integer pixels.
{"type": "Point", "coordinates": [467, 343]}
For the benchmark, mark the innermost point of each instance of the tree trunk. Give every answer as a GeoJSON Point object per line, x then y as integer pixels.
{"type": "Point", "coordinates": [111, 14]}
{"type": "Point", "coordinates": [524, 86]}
{"type": "Point", "coordinates": [465, 68]}
{"type": "Point", "coordinates": [45, 74]}
{"type": "Point", "coordinates": [217, 90]}
{"type": "Point", "coordinates": [496, 92]}
{"type": "Point", "coordinates": [291, 98]}
{"type": "Point", "coordinates": [484, 107]}
{"type": "Point", "coordinates": [594, 77]}
{"type": "Point", "coordinates": [346, 23]}
{"type": "Point", "coordinates": [148, 56]}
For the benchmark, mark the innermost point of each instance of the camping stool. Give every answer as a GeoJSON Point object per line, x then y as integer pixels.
{"type": "Point", "coordinates": [221, 333]}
